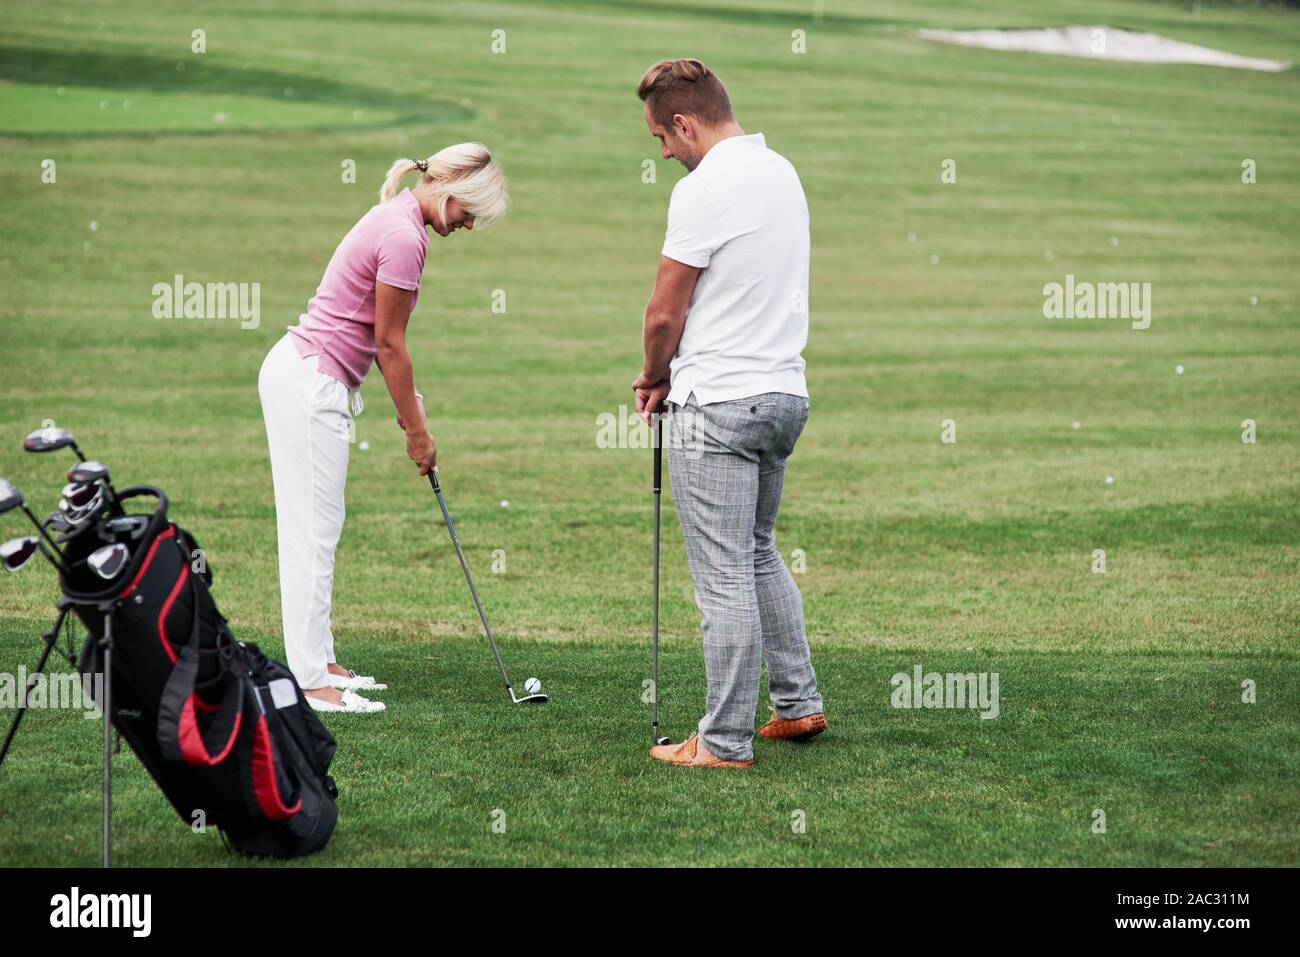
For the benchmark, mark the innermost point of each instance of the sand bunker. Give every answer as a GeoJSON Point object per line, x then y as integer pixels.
{"type": "Point", "coordinates": [1102, 43]}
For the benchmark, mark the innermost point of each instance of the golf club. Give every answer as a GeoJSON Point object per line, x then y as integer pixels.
{"type": "Point", "coordinates": [17, 552]}
{"type": "Point", "coordinates": [130, 527]}
{"type": "Point", "coordinates": [108, 562]}
{"type": "Point", "coordinates": [50, 438]}
{"type": "Point", "coordinates": [538, 698]}
{"type": "Point", "coordinates": [654, 639]}
{"type": "Point", "coordinates": [96, 473]}
{"type": "Point", "coordinates": [79, 502]}
{"type": "Point", "coordinates": [57, 522]}
{"type": "Point", "coordinates": [10, 499]}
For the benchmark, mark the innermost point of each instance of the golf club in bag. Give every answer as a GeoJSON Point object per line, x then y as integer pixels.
{"type": "Point", "coordinates": [536, 698]}
{"type": "Point", "coordinates": [658, 443]}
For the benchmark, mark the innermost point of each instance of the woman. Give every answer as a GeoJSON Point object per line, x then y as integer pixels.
{"type": "Point", "coordinates": [310, 382]}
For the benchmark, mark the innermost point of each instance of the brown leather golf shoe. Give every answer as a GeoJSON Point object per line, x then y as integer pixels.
{"type": "Point", "coordinates": [793, 729]}
{"type": "Point", "coordinates": [692, 754]}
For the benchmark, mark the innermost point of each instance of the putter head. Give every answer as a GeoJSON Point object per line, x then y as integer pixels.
{"type": "Point", "coordinates": [664, 740]}
{"type": "Point", "coordinates": [17, 552]}
{"type": "Point", "coordinates": [49, 439]}
{"type": "Point", "coordinates": [529, 698]}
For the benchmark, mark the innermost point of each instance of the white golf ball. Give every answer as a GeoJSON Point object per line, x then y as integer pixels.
{"type": "Point", "coordinates": [1110, 480]}
{"type": "Point", "coordinates": [1178, 370]}
{"type": "Point", "coordinates": [505, 504]}
{"type": "Point", "coordinates": [364, 446]}
{"type": "Point", "coordinates": [532, 686]}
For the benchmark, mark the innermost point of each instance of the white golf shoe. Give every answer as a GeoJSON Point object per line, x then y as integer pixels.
{"type": "Point", "coordinates": [353, 703]}
{"type": "Point", "coordinates": [354, 682]}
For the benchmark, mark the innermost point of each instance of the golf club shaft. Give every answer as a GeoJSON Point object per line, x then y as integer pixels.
{"type": "Point", "coordinates": [437, 490]}
{"type": "Point", "coordinates": [44, 533]}
{"type": "Point", "coordinates": [113, 502]}
{"type": "Point", "coordinates": [654, 666]}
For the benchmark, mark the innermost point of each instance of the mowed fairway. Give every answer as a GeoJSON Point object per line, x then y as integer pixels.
{"type": "Point", "coordinates": [1120, 692]}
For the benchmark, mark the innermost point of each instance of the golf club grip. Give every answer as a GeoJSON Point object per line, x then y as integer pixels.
{"type": "Point", "coordinates": [659, 447]}
{"type": "Point", "coordinates": [659, 456]}
{"type": "Point", "coordinates": [433, 480]}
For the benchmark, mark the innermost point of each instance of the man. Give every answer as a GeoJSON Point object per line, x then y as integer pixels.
{"type": "Point", "coordinates": [723, 334]}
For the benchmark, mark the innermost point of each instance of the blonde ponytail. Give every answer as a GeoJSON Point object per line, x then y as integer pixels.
{"type": "Point", "coordinates": [394, 178]}
{"type": "Point", "coordinates": [466, 173]}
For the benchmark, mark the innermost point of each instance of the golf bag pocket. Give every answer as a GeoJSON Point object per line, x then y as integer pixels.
{"type": "Point", "coordinates": [253, 732]}
{"type": "Point", "coordinates": [287, 775]}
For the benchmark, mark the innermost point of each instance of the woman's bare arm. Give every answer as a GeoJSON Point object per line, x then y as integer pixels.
{"type": "Point", "coordinates": [392, 313]}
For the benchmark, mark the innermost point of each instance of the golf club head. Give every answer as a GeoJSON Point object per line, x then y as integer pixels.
{"type": "Point", "coordinates": [57, 522]}
{"type": "Point", "coordinates": [17, 552]}
{"type": "Point", "coordinates": [80, 502]}
{"type": "Point", "coordinates": [78, 494]}
{"type": "Point", "coordinates": [108, 562]}
{"type": "Point", "coordinates": [49, 439]}
{"type": "Point", "coordinates": [10, 497]}
{"type": "Point", "coordinates": [664, 740]}
{"type": "Point", "coordinates": [77, 518]}
{"type": "Point", "coordinates": [130, 527]}
{"type": "Point", "coordinates": [529, 698]}
{"type": "Point", "coordinates": [88, 472]}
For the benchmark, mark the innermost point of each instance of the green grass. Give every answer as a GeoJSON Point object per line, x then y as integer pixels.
{"type": "Point", "coordinates": [1208, 781]}
{"type": "Point", "coordinates": [38, 109]}
{"type": "Point", "coordinates": [1120, 691]}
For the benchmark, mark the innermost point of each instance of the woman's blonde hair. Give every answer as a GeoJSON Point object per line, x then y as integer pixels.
{"type": "Point", "coordinates": [466, 173]}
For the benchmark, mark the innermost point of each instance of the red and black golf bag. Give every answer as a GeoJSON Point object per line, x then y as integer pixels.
{"type": "Point", "coordinates": [225, 731]}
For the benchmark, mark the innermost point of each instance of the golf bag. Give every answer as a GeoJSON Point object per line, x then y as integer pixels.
{"type": "Point", "coordinates": [224, 731]}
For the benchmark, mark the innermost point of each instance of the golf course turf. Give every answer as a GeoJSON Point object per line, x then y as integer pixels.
{"type": "Point", "coordinates": [1121, 691]}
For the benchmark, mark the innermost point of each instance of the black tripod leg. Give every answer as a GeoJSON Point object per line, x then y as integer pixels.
{"type": "Point", "coordinates": [51, 637]}
{"type": "Point", "coordinates": [108, 738]}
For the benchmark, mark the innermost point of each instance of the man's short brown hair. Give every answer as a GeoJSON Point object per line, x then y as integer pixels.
{"type": "Point", "coordinates": [686, 87]}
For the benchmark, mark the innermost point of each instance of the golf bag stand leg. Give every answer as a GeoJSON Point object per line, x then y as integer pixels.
{"type": "Point", "coordinates": [51, 637]}
{"type": "Point", "coordinates": [658, 443]}
{"type": "Point", "coordinates": [107, 684]}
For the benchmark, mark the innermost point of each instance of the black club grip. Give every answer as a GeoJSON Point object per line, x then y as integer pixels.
{"type": "Point", "coordinates": [659, 447]}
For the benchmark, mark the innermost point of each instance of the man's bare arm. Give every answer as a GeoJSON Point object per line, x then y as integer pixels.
{"type": "Point", "coordinates": [665, 317]}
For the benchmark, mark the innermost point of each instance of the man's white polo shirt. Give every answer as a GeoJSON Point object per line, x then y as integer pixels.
{"type": "Point", "coordinates": [741, 216]}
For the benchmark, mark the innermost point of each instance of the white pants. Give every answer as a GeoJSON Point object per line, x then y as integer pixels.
{"type": "Point", "coordinates": [309, 429]}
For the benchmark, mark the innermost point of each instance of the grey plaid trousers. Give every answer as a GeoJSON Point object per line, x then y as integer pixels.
{"type": "Point", "coordinates": [727, 461]}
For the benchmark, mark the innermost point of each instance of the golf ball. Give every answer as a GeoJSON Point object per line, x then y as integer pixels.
{"type": "Point", "coordinates": [505, 504]}
{"type": "Point", "coordinates": [532, 686]}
